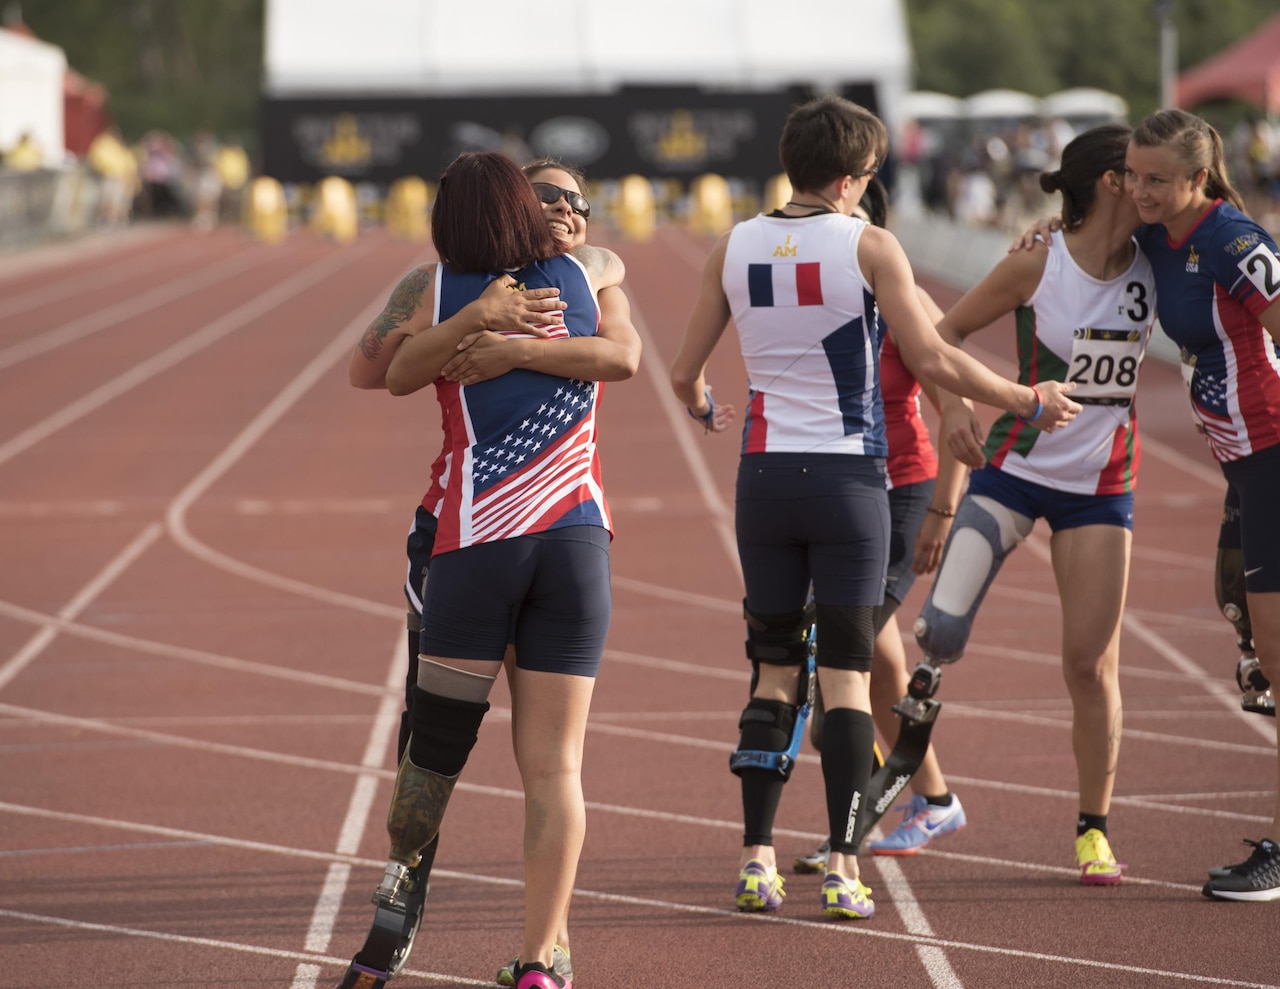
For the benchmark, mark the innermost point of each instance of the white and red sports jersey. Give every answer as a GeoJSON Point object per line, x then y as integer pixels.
{"type": "Point", "coordinates": [519, 451]}
{"type": "Point", "coordinates": [1214, 284]}
{"type": "Point", "coordinates": [806, 321]}
{"type": "Point", "coordinates": [1079, 328]}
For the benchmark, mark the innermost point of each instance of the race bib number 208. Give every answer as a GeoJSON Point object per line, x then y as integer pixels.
{"type": "Point", "coordinates": [1104, 365]}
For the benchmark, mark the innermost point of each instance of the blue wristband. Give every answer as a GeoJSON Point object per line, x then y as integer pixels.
{"type": "Point", "coordinates": [711, 412]}
{"type": "Point", "coordinates": [1039, 407]}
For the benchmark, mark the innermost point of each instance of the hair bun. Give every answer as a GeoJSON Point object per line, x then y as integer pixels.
{"type": "Point", "coordinates": [1051, 181]}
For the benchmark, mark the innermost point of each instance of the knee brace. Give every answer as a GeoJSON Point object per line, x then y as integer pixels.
{"type": "Point", "coordinates": [781, 639]}
{"type": "Point", "coordinates": [845, 637]}
{"type": "Point", "coordinates": [1228, 588]}
{"type": "Point", "coordinates": [771, 733]}
{"type": "Point", "coordinates": [985, 532]}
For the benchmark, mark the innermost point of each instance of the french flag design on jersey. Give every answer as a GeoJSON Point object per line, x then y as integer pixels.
{"type": "Point", "coordinates": [784, 285]}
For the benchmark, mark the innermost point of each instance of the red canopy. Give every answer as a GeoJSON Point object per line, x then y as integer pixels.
{"type": "Point", "coordinates": [1249, 70]}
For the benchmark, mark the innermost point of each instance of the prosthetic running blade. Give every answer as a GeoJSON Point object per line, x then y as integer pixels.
{"type": "Point", "coordinates": [399, 900]}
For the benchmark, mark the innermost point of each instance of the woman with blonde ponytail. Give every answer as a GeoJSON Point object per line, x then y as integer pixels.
{"type": "Point", "coordinates": [1218, 277]}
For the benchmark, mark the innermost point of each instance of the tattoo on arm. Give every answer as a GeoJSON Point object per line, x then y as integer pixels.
{"type": "Point", "coordinates": [405, 300]}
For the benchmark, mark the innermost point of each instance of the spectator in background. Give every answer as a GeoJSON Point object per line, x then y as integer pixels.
{"type": "Point", "coordinates": [206, 182]}
{"type": "Point", "coordinates": [117, 172]}
{"type": "Point", "coordinates": [25, 156]}
{"type": "Point", "coordinates": [232, 164]}
{"type": "Point", "coordinates": [160, 168]}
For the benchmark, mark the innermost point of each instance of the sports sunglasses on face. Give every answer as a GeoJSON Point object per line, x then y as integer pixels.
{"type": "Point", "coordinates": [549, 194]}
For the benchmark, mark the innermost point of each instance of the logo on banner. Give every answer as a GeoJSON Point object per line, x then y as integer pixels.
{"type": "Point", "coordinates": [679, 139]}
{"type": "Point", "coordinates": [352, 143]}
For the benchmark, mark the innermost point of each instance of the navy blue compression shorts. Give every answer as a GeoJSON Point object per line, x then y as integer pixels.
{"type": "Point", "coordinates": [548, 592]}
{"type": "Point", "coordinates": [1061, 509]}
{"type": "Point", "coordinates": [908, 505]}
{"type": "Point", "coordinates": [812, 517]}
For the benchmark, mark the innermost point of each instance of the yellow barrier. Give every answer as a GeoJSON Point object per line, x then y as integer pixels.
{"type": "Point", "coordinates": [710, 205]}
{"type": "Point", "coordinates": [265, 213]}
{"type": "Point", "coordinates": [635, 208]}
{"type": "Point", "coordinates": [406, 208]}
{"type": "Point", "coordinates": [333, 210]}
{"type": "Point", "coordinates": [777, 192]}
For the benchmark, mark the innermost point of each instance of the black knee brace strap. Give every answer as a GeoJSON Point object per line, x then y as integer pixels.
{"type": "Point", "coordinates": [781, 640]}
{"type": "Point", "coordinates": [444, 731]}
{"type": "Point", "coordinates": [771, 733]}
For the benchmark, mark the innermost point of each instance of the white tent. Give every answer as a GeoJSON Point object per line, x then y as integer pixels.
{"type": "Point", "coordinates": [1085, 107]}
{"type": "Point", "coordinates": [1002, 104]}
{"type": "Point", "coordinates": [926, 105]}
{"type": "Point", "coordinates": [31, 79]}
{"type": "Point", "coordinates": [443, 47]}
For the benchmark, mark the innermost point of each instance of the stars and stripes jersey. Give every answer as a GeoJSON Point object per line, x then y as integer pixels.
{"type": "Point", "coordinates": [519, 452]}
{"type": "Point", "coordinates": [1214, 284]}
{"type": "Point", "coordinates": [805, 317]}
{"type": "Point", "coordinates": [1093, 332]}
{"type": "Point", "coordinates": [911, 455]}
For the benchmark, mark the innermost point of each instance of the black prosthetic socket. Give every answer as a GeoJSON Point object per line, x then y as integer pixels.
{"type": "Point", "coordinates": [847, 740]}
{"type": "Point", "coordinates": [414, 625]}
{"type": "Point", "coordinates": [444, 732]}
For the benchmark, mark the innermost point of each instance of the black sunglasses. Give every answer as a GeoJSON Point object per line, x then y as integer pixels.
{"type": "Point", "coordinates": [549, 194]}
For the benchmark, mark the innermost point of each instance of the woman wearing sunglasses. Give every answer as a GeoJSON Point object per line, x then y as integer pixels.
{"type": "Point", "coordinates": [503, 329]}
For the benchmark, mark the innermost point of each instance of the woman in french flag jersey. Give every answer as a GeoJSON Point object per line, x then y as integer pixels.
{"type": "Point", "coordinates": [1218, 275]}
{"type": "Point", "coordinates": [802, 285]}
{"type": "Point", "coordinates": [1084, 305]}
{"type": "Point", "coordinates": [522, 549]}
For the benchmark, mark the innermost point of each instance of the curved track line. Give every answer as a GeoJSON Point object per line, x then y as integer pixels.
{"type": "Point", "coordinates": [40, 641]}
{"type": "Point", "coordinates": [206, 336]}
{"type": "Point", "coordinates": [184, 653]}
{"type": "Point", "coordinates": [176, 515]}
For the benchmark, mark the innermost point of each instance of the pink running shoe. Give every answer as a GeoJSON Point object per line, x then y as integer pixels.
{"type": "Point", "coordinates": [537, 976]}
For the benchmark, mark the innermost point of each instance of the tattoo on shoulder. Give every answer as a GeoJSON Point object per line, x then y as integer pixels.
{"type": "Point", "coordinates": [405, 300]}
{"type": "Point", "coordinates": [603, 265]}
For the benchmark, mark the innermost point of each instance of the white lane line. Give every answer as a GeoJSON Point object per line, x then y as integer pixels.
{"type": "Point", "coordinates": [168, 651]}
{"type": "Point", "coordinates": [84, 597]}
{"type": "Point", "coordinates": [385, 724]}
{"type": "Point", "coordinates": [834, 930]}
{"type": "Point", "coordinates": [113, 315]}
{"type": "Point", "coordinates": [721, 515]}
{"type": "Point", "coordinates": [75, 284]}
{"type": "Point", "coordinates": [176, 515]}
{"type": "Point", "coordinates": [190, 344]}
{"type": "Point", "coordinates": [1215, 687]}
{"type": "Point", "coordinates": [235, 946]}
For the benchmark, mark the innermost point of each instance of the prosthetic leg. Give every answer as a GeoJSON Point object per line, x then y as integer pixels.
{"type": "Point", "coordinates": [444, 731]}
{"type": "Point", "coordinates": [1228, 585]}
{"type": "Point", "coordinates": [984, 534]}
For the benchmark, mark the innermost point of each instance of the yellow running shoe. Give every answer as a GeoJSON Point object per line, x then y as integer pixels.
{"type": "Point", "coordinates": [759, 888]}
{"type": "Point", "coordinates": [1098, 865]}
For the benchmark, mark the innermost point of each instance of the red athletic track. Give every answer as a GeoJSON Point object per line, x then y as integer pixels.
{"type": "Point", "coordinates": [202, 529]}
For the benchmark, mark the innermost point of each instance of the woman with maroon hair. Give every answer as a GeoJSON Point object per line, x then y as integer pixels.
{"type": "Point", "coordinates": [521, 553]}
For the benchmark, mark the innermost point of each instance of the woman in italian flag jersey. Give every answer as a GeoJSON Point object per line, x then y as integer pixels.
{"type": "Point", "coordinates": [1084, 306]}
{"type": "Point", "coordinates": [1218, 275]}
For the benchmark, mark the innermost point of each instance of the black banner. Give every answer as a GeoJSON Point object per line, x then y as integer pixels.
{"type": "Point", "coordinates": [657, 132]}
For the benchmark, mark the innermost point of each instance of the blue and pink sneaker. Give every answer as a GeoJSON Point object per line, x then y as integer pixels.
{"type": "Point", "coordinates": [759, 887]}
{"type": "Point", "coordinates": [921, 823]}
